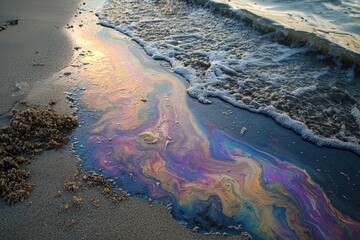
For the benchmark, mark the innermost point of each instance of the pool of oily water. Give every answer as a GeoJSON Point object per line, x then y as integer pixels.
{"type": "Point", "coordinates": [218, 168]}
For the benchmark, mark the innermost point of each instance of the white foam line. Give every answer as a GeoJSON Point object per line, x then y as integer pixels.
{"type": "Point", "coordinates": [301, 90]}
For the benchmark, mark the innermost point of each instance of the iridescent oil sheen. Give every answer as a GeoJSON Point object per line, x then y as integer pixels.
{"type": "Point", "coordinates": [144, 135]}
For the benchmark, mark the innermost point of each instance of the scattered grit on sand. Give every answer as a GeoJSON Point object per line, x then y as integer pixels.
{"type": "Point", "coordinates": [30, 132]}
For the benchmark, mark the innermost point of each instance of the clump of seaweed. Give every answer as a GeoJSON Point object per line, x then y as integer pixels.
{"type": "Point", "coordinates": [95, 202]}
{"type": "Point", "coordinates": [81, 181]}
{"type": "Point", "coordinates": [71, 186]}
{"type": "Point", "coordinates": [13, 185]}
{"type": "Point", "coordinates": [35, 130]}
{"type": "Point", "coordinates": [96, 180]}
{"type": "Point", "coordinates": [30, 132]}
{"type": "Point", "coordinates": [78, 201]}
{"type": "Point", "coordinates": [65, 206]}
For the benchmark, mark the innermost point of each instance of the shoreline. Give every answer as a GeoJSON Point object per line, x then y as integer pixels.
{"type": "Point", "coordinates": [133, 218]}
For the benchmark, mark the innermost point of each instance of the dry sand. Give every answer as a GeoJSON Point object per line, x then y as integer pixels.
{"type": "Point", "coordinates": [43, 215]}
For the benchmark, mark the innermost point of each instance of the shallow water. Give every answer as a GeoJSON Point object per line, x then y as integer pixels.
{"type": "Point", "coordinates": [140, 128]}
{"type": "Point", "coordinates": [224, 57]}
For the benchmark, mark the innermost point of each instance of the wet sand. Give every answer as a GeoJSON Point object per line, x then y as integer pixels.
{"type": "Point", "coordinates": [31, 51]}
{"type": "Point", "coordinates": [34, 48]}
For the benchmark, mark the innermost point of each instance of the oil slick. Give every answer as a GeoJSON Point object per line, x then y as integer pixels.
{"type": "Point", "coordinates": [158, 149]}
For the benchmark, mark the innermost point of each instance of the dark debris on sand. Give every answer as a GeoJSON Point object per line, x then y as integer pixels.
{"type": "Point", "coordinates": [30, 132]}
{"type": "Point", "coordinates": [84, 180]}
{"type": "Point", "coordinates": [81, 181]}
{"type": "Point", "coordinates": [95, 180]}
{"type": "Point", "coordinates": [4, 25]}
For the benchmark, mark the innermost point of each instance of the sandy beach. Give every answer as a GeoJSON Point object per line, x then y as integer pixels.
{"type": "Point", "coordinates": [32, 51]}
{"type": "Point", "coordinates": [214, 168]}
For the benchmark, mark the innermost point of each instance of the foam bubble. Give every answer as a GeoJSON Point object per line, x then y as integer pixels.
{"type": "Point", "coordinates": [301, 90]}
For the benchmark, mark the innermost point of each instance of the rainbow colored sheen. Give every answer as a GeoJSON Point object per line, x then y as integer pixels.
{"type": "Point", "coordinates": [214, 183]}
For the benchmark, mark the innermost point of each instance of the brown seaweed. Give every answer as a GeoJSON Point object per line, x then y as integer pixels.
{"type": "Point", "coordinates": [30, 132]}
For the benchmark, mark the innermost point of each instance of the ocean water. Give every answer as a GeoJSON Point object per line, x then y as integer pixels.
{"type": "Point", "coordinates": [260, 56]}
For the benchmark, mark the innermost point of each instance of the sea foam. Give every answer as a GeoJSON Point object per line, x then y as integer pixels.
{"type": "Point", "coordinates": [226, 58]}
